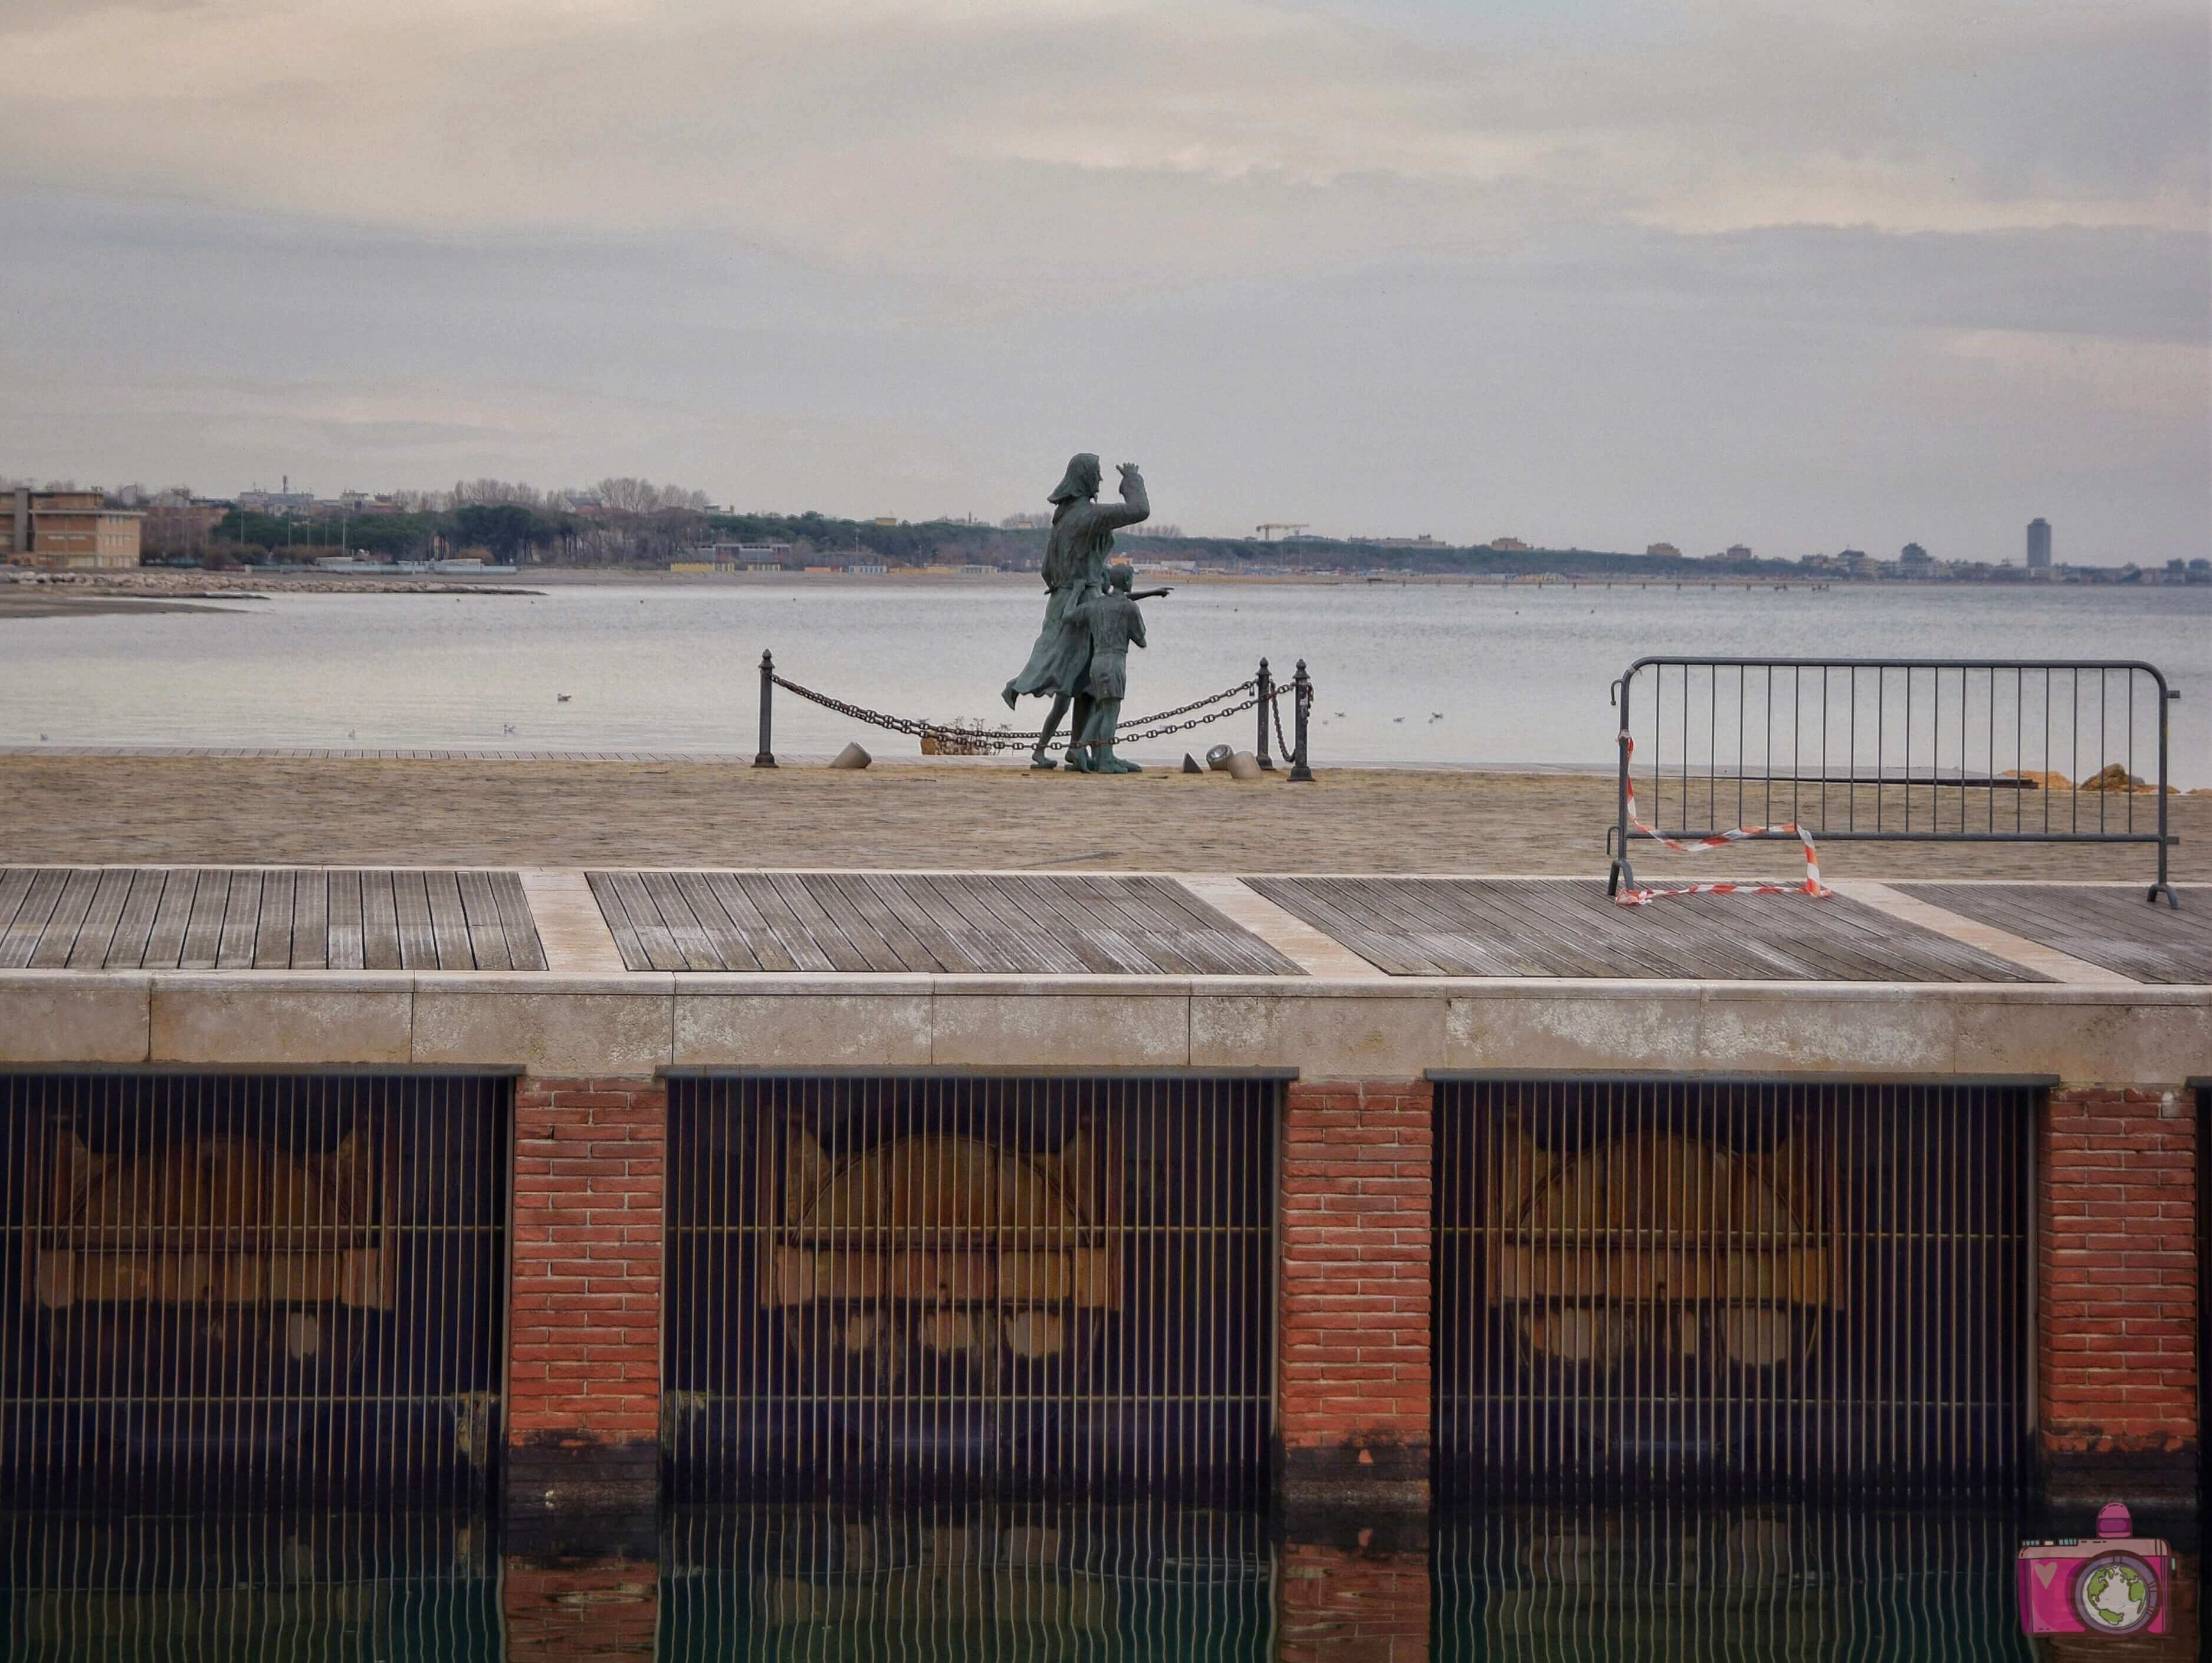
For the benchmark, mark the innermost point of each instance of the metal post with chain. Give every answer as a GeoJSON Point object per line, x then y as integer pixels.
{"type": "Point", "coordinates": [1154, 726]}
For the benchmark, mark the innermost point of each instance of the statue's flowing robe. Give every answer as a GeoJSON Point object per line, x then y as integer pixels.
{"type": "Point", "coordinates": [1075, 557]}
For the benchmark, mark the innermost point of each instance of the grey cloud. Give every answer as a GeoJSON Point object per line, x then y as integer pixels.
{"type": "Point", "coordinates": [1607, 273]}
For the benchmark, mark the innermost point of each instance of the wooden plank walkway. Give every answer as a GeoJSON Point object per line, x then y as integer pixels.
{"type": "Point", "coordinates": [1453, 927]}
{"type": "Point", "coordinates": [2111, 925]}
{"type": "Point", "coordinates": [954, 923]}
{"type": "Point", "coordinates": [305, 918]}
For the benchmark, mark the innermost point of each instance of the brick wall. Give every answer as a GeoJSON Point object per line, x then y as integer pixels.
{"type": "Point", "coordinates": [584, 1405]}
{"type": "Point", "coordinates": [2117, 1282]}
{"type": "Point", "coordinates": [1355, 1409]}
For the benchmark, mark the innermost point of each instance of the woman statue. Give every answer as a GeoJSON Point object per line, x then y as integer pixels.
{"type": "Point", "coordinates": [1075, 556]}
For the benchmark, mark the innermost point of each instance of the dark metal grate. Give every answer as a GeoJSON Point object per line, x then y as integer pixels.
{"type": "Point", "coordinates": [1593, 1585]}
{"type": "Point", "coordinates": [984, 1581]}
{"type": "Point", "coordinates": [1732, 1287]}
{"type": "Point", "coordinates": [255, 1287]}
{"type": "Point", "coordinates": [1015, 1286]}
{"type": "Point", "coordinates": [257, 1587]}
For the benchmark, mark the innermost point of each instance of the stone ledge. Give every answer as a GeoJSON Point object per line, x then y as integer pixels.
{"type": "Point", "coordinates": [1403, 1028]}
{"type": "Point", "coordinates": [89, 1017]}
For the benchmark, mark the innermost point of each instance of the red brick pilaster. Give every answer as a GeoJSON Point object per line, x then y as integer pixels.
{"type": "Point", "coordinates": [1355, 1406]}
{"type": "Point", "coordinates": [2117, 1287]}
{"type": "Point", "coordinates": [584, 1403]}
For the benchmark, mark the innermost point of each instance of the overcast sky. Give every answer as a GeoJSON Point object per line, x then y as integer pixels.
{"type": "Point", "coordinates": [1598, 272]}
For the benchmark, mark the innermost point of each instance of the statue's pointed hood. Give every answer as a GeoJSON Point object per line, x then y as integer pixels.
{"type": "Point", "coordinates": [1080, 482]}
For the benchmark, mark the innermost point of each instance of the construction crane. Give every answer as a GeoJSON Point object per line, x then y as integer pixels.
{"type": "Point", "coordinates": [1268, 528]}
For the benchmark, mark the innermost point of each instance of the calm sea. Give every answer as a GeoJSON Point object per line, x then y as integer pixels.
{"type": "Point", "coordinates": [1407, 675]}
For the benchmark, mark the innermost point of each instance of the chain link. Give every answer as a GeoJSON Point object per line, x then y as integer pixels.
{"type": "Point", "coordinates": [970, 740]}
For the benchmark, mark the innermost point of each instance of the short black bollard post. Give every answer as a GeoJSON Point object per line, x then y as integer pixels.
{"type": "Point", "coordinates": [1301, 703]}
{"type": "Point", "coordinates": [1267, 689]}
{"type": "Point", "coordinates": [765, 757]}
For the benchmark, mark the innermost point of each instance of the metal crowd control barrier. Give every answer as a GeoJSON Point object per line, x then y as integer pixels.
{"type": "Point", "coordinates": [1948, 750]}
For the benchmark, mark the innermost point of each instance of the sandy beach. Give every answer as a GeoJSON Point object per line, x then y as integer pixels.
{"type": "Point", "coordinates": [24, 601]}
{"type": "Point", "coordinates": [226, 810]}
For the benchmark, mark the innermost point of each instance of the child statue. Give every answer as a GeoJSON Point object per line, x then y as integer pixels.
{"type": "Point", "coordinates": [1112, 623]}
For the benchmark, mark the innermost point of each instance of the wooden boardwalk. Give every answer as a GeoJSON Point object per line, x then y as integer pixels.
{"type": "Point", "coordinates": [1459, 927]}
{"type": "Point", "coordinates": [307, 918]}
{"type": "Point", "coordinates": [2108, 924]}
{"type": "Point", "coordinates": [966, 923]}
{"type": "Point", "coordinates": [317, 918]}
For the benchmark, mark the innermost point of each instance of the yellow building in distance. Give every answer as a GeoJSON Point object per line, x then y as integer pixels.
{"type": "Point", "coordinates": [67, 531]}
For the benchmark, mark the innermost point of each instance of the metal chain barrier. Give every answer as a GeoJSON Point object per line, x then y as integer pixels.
{"type": "Point", "coordinates": [1000, 739]}
{"type": "Point", "coordinates": [1275, 709]}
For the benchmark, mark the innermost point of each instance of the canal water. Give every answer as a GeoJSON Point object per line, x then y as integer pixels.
{"type": "Point", "coordinates": [1409, 674]}
{"type": "Point", "coordinates": [997, 1582]}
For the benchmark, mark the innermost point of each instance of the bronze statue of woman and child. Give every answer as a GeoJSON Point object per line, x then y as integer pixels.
{"type": "Point", "coordinates": [1081, 657]}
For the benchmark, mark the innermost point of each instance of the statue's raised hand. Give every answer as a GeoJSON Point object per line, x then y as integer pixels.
{"type": "Point", "coordinates": [1126, 468]}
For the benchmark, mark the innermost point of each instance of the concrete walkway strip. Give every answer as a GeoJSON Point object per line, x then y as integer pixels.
{"type": "Point", "coordinates": [1313, 952]}
{"type": "Point", "coordinates": [575, 936]}
{"type": "Point", "coordinates": [1998, 943]}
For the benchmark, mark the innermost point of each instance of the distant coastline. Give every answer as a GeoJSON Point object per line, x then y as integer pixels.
{"type": "Point", "coordinates": [150, 590]}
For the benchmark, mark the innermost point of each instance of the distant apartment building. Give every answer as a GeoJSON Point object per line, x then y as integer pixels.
{"type": "Point", "coordinates": [178, 526]}
{"type": "Point", "coordinates": [1914, 561]}
{"type": "Point", "coordinates": [1507, 545]}
{"type": "Point", "coordinates": [1736, 551]}
{"type": "Point", "coordinates": [2038, 544]}
{"type": "Point", "coordinates": [286, 501]}
{"type": "Point", "coordinates": [67, 531]}
{"type": "Point", "coordinates": [1664, 550]}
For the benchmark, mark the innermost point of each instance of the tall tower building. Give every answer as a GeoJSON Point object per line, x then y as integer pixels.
{"type": "Point", "coordinates": [2038, 544]}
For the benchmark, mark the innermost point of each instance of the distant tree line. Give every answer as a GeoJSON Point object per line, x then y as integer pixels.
{"type": "Point", "coordinates": [627, 520]}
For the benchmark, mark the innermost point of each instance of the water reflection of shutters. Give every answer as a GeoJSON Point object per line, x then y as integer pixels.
{"type": "Point", "coordinates": [1649, 1578]}
{"type": "Point", "coordinates": [970, 1284]}
{"type": "Point", "coordinates": [976, 1580]}
{"type": "Point", "coordinates": [265, 1286]}
{"type": "Point", "coordinates": [1732, 1285]}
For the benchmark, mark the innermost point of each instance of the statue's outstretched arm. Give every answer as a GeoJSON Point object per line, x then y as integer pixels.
{"type": "Point", "coordinates": [1135, 505]}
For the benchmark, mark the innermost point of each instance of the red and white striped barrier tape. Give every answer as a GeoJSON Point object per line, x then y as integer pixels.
{"type": "Point", "coordinates": [1811, 886]}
